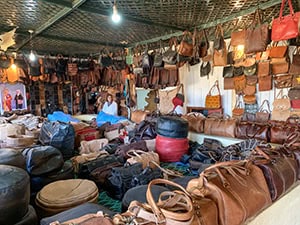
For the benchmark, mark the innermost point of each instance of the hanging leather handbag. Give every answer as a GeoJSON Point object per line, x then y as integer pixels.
{"type": "Point", "coordinates": [220, 57]}
{"type": "Point", "coordinates": [294, 95]}
{"type": "Point", "coordinates": [219, 38]}
{"type": "Point", "coordinates": [280, 68]}
{"type": "Point", "coordinates": [283, 81]}
{"type": "Point", "coordinates": [238, 70]}
{"type": "Point", "coordinates": [257, 35]}
{"type": "Point", "coordinates": [250, 66]}
{"type": "Point", "coordinates": [263, 68]}
{"type": "Point", "coordinates": [228, 83]}
{"type": "Point", "coordinates": [285, 27]}
{"type": "Point", "coordinates": [281, 107]}
{"type": "Point", "coordinates": [228, 71]}
{"type": "Point", "coordinates": [280, 170]}
{"type": "Point", "coordinates": [278, 51]}
{"type": "Point", "coordinates": [238, 110]}
{"type": "Point", "coordinates": [264, 112]}
{"type": "Point", "coordinates": [265, 83]}
{"type": "Point", "coordinates": [238, 37]}
{"type": "Point", "coordinates": [186, 46]}
{"type": "Point", "coordinates": [249, 99]}
{"type": "Point", "coordinates": [233, 185]}
{"type": "Point", "coordinates": [295, 65]}
{"type": "Point", "coordinates": [205, 69]}
{"type": "Point", "coordinates": [170, 56]}
{"type": "Point", "coordinates": [239, 84]}
{"type": "Point", "coordinates": [213, 101]}
{"type": "Point", "coordinates": [204, 44]}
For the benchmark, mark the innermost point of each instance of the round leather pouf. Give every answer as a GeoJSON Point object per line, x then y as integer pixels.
{"type": "Point", "coordinates": [30, 218]}
{"type": "Point", "coordinates": [14, 194]}
{"type": "Point", "coordinates": [62, 195]}
{"type": "Point", "coordinates": [12, 157]}
{"type": "Point", "coordinates": [139, 194]}
{"type": "Point", "coordinates": [172, 126]}
{"type": "Point", "coordinates": [171, 149]}
{"type": "Point", "coordinates": [38, 182]}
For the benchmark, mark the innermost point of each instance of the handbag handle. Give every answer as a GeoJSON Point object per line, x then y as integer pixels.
{"type": "Point", "coordinates": [216, 85]}
{"type": "Point", "coordinates": [219, 31]}
{"type": "Point", "coordinates": [261, 108]}
{"type": "Point", "coordinates": [282, 7]}
{"type": "Point", "coordinates": [161, 214]}
{"type": "Point", "coordinates": [239, 102]}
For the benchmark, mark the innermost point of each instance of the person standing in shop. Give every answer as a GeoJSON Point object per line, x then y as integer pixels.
{"type": "Point", "coordinates": [19, 99]}
{"type": "Point", "coordinates": [6, 100]}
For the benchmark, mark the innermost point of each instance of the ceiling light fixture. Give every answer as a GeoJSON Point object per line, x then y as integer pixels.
{"type": "Point", "coordinates": [116, 18]}
{"type": "Point", "coordinates": [31, 55]}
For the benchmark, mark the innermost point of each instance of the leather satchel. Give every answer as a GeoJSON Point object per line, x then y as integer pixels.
{"type": "Point", "coordinates": [239, 84]}
{"type": "Point", "coordinates": [213, 101]}
{"type": "Point", "coordinates": [238, 37]}
{"type": "Point", "coordinates": [220, 57]}
{"type": "Point", "coordinates": [228, 71]}
{"type": "Point", "coordinates": [279, 169]}
{"type": "Point", "coordinates": [278, 51]}
{"type": "Point", "coordinates": [294, 93]}
{"type": "Point", "coordinates": [283, 81]}
{"type": "Point", "coordinates": [233, 186]}
{"type": "Point", "coordinates": [238, 110]}
{"type": "Point", "coordinates": [265, 83]}
{"type": "Point", "coordinates": [280, 68]}
{"type": "Point", "coordinates": [263, 68]}
{"type": "Point", "coordinates": [249, 99]}
{"type": "Point", "coordinates": [228, 83]}
{"type": "Point", "coordinates": [263, 114]}
{"type": "Point", "coordinates": [257, 35]}
{"type": "Point", "coordinates": [220, 127]}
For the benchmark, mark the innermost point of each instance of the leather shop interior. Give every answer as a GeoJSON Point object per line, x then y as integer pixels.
{"type": "Point", "coordinates": [175, 112]}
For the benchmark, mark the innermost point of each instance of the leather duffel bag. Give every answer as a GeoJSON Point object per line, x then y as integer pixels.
{"type": "Point", "coordinates": [259, 131]}
{"type": "Point", "coordinates": [220, 127]}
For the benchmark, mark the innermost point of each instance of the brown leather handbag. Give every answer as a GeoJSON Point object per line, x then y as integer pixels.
{"type": "Point", "coordinates": [257, 35]}
{"type": "Point", "coordinates": [214, 101]}
{"type": "Point", "coordinates": [264, 112]}
{"type": "Point", "coordinates": [280, 132]}
{"type": "Point", "coordinates": [280, 68]}
{"type": "Point", "coordinates": [246, 130]}
{"type": "Point", "coordinates": [283, 81]}
{"type": "Point", "coordinates": [280, 170]}
{"type": "Point", "coordinates": [238, 188]}
{"type": "Point", "coordinates": [238, 110]}
{"type": "Point", "coordinates": [239, 84]}
{"type": "Point", "coordinates": [186, 46]}
{"type": "Point", "coordinates": [220, 127]}
{"type": "Point", "coordinates": [278, 51]}
{"type": "Point", "coordinates": [139, 156]}
{"type": "Point", "coordinates": [196, 121]}
{"type": "Point", "coordinates": [263, 68]}
{"type": "Point", "coordinates": [265, 83]}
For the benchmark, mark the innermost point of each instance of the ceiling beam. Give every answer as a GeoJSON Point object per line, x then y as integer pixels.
{"type": "Point", "coordinates": [107, 13]}
{"type": "Point", "coordinates": [213, 23]}
{"type": "Point", "coordinates": [62, 13]}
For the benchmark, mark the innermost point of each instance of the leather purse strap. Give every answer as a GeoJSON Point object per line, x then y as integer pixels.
{"type": "Point", "coordinates": [262, 109]}
{"type": "Point", "coordinates": [160, 213]}
{"type": "Point", "coordinates": [216, 85]}
{"type": "Point", "coordinates": [282, 7]}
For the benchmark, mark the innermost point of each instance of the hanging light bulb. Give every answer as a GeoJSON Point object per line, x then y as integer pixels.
{"type": "Point", "coordinates": [116, 18]}
{"type": "Point", "coordinates": [31, 56]}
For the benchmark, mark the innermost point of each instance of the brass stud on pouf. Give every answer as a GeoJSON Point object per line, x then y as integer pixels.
{"type": "Point", "coordinates": [65, 194]}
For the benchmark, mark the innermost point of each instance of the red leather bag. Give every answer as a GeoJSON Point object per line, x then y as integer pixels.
{"type": "Point", "coordinates": [285, 27]}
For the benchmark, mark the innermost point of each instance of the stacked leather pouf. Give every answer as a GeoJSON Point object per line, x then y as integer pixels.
{"type": "Point", "coordinates": [171, 139]}
{"type": "Point", "coordinates": [15, 197]}
{"type": "Point", "coordinates": [65, 194]}
{"type": "Point", "coordinates": [45, 164]}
